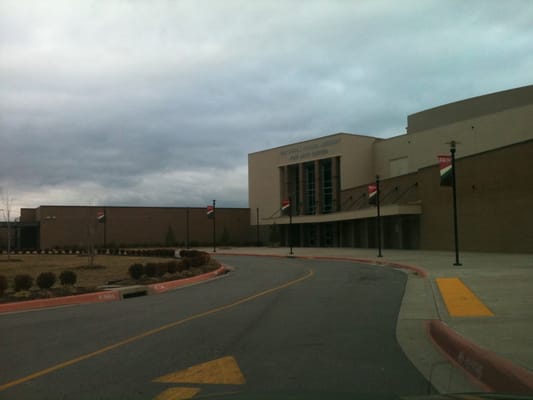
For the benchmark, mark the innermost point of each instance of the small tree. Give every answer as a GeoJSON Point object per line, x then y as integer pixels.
{"type": "Point", "coordinates": [6, 210]}
{"type": "Point", "coordinates": [136, 271]}
{"type": "Point", "coordinates": [3, 284]}
{"type": "Point", "coordinates": [68, 278]}
{"type": "Point", "coordinates": [23, 282]}
{"type": "Point", "coordinates": [46, 280]}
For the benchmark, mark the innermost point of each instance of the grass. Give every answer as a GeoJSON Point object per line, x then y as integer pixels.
{"type": "Point", "coordinates": [116, 267]}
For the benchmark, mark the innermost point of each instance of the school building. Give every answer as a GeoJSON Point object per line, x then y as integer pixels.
{"type": "Point", "coordinates": [327, 181]}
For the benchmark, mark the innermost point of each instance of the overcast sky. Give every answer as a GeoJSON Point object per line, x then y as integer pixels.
{"type": "Point", "coordinates": [159, 102]}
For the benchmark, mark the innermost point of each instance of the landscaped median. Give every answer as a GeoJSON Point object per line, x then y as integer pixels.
{"type": "Point", "coordinates": [109, 294]}
{"type": "Point", "coordinates": [149, 278]}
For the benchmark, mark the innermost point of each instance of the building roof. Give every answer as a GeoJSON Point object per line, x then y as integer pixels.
{"type": "Point", "coordinates": [317, 138]}
{"type": "Point", "coordinates": [469, 108]}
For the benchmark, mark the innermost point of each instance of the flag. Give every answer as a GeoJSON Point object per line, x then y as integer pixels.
{"type": "Point", "coordinates": [285, 204]}
{"type": "Point", "coordinates": [210, 212]}
{"type": "Point", "coordinates": [100, 216]}
{"type": "Point", "coordinates": [445, 164]}
{"type": "Point", "coordinates": [372, 194]}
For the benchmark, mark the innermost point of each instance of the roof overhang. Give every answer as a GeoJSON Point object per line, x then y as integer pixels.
{"type": "Point", "coordinates": [369, 212]}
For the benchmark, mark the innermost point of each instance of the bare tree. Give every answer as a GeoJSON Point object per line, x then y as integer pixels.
{"type": "Point", "coordinates": [6, 200]}
{"type": "Point", "coordinates": [91, 228]}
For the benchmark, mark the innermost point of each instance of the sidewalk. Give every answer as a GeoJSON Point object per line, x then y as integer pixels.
{"type": "Point", "coordinates": [503, 283]}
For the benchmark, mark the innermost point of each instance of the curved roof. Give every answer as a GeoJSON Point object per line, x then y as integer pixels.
{"type": "Point", "coordinates": [469, 108]}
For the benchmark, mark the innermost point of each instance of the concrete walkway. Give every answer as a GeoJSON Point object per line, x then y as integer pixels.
{"type": "Point", "coordinates": [502, 282]}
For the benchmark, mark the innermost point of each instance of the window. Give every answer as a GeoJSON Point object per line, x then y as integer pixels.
{"type": "Point", "coordinates": [309, 193]}
{"type": "Point", "coordinates": [326, 190]}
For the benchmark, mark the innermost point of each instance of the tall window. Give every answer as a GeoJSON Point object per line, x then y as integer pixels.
{"type": "Point", "coordinates": [326, 190]}
{"type": "Point", "coordinates": [309, 193]}
{"type": "Point", "coordinates": [294, 188]}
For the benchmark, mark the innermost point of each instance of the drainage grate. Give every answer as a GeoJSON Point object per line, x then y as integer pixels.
{"type": "Point", "coordinates": [134, 294]}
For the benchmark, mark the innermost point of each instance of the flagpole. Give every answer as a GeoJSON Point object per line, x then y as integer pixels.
{"type": "Point", "coordinates": [290, 224]}
{"type": "Point", "coordinates": [454, 190]}
{"type": "Point", "coordinates": [214, 228]}
{"type": "Point", "coordinates": [378, 219]}
{"type": "Point", "coordinates": [105, 226]}
{"type": "Point", "coordinates": [188, 229]}
{"type": "Point", "coordinates": [257, 226]}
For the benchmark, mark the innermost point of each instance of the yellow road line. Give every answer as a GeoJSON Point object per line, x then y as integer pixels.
{"type": "Point", "coordinates": [151, 332]}
{"type": "Point", "coordinates": [222, 371]}
{"type": "Point", "coordinates": [460, 300]}
{"type": "Point", "coordinates": [178, 393]}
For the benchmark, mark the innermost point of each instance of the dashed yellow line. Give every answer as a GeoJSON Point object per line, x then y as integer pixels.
{"type": "Point", "coordinates": [460, 300]}
{"type": "Point", "coordinates": [178, 393]}
{"type": "Point", "coordinates": [151, 332]}
{"type": "Point", "coordinates": [222, 371]}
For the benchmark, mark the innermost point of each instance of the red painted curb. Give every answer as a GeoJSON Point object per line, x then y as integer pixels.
{"type": "Point", "coordinates": [105, 296]}
{"type": "Point", "coordinates": [98, 297]}
{"type": "Point", "coordinates": [166, 286]}
{"type": "Point", "coordinates": [418, 270]}
{"type": "Point", "coordinates": [498, 374]}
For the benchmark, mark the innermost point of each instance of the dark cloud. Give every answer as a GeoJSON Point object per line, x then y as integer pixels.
{"type": "Point", "coordinates": [159, 103]}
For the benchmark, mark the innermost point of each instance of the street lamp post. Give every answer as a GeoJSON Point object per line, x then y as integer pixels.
{"type": "Point", "coordinates": [214, 228]}
{"type": "Point", "coordinates": [257, 226]}
{"type": "Point", "coordinates": [454, 191]}
{"type": "Point", "coordinates": [378, 220]}
{"type": "Point", "coordinates": [290, 225]}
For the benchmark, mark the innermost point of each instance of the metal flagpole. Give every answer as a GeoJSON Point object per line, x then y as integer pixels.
{"type": "Point", "coordinates": [188, 229]}
{"type": "Point", "coordinates": [378, 219]}
{"type": "Point", "coordinates": [214, 228]}
{"type": "Point", "coordinates": [290, 224]}
{"type": "Point", "coordinates": [454, 190]}
{"type": "Point", "coordinates": [257, 227]}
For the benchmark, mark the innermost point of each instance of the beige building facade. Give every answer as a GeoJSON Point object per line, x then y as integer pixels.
{"type": "Point", "coordinates": [63, 227]}
{"type": "Point", "coordinates": [327, 178]}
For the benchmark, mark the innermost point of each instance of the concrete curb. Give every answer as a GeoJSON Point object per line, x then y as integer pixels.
{"type": "Point", "coordinates": [418, 270]}
{"type": "Point", "coordinates": [105, 296]}
{"type": "Point", "coordinates": [158, 288]}
{"type": "Point", "coordinates": [97, 297]}
{"type": "Point", "coordinates": [487, 368]}
{"type": "Point", "coordinates": [495, 372]}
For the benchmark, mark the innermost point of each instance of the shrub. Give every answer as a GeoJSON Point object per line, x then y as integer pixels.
{"type": "Point", "coordinates": [136, 271]}
{"type": "Point", "coordinates": [151, 270]}
{"type": "Point", "coordinates": [46, 280]}
{"type": "Point", "coordinates": [183, 264]}
{"type": "Point", "coordinates": [68, 278]}
{"type": "Point", "coordinates": [172, 267]}
{"type": "Point", "coordinates": [199, 260]}
{"type": "Point", "coordinates": [162, 268]}
{"type": "Point", "coordinates": [3, 284]}
{"type": "Point", "coordinates": [189, 253]}
{"type": "Point", "coordinates": [23, 282]}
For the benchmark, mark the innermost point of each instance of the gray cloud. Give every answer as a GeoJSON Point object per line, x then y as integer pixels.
{"type": "Point", "coordinates": [159, 103]}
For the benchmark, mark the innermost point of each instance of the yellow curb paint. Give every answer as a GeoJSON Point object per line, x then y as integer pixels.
{"type": "Point", "coordinates": [222, 371]}
{"type": "Point", "coordinates": [76, 360]}
{"type": "Point", "coordinates": [460, 300]}
{"type": "Point", "coordinates": [177, 394]}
